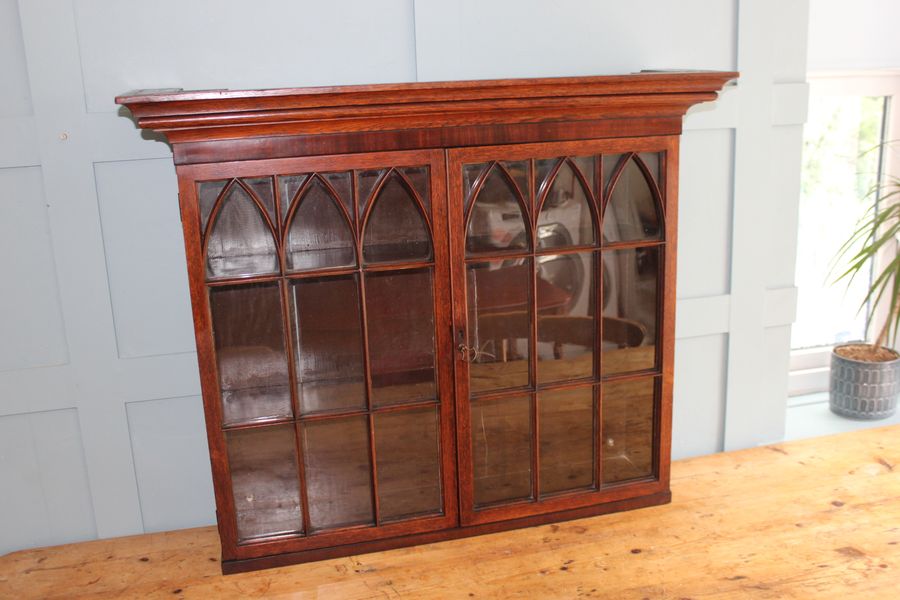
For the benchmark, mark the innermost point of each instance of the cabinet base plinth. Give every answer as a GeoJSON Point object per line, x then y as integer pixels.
{"type": "Point", "coordinates": [291, 558]}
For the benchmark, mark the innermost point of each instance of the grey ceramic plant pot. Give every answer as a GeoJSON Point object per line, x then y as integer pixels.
{"type": "Point", "coordinates": [864, 390]}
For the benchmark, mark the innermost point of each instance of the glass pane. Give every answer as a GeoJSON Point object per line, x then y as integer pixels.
{"type": "Point", "coordinates": [365, 183]}
{"type": "Point", "coordinates": [265, 193]}
{"type": "Point", "coordinates": [496, 222]}
{"type": "Point", "coordinates": [840, 169]}
{"type": "Point", "coordinates": [610, 163]}
{"type": "Point", "coordinates": [340, 183]}
{"type": "Point", "coordinates": [630, 297]}
{"type": "Point", "coordinates": [263, 465]}
{"type": "Point", "coordinates": [566, 308]}
{"type": "Point", "coordinates": [565, 218]}
{"type": "Point", "coordinates": [327, 337]}
{"type": "Point", "coordinates": [631, 213]}
{"type": "Point", "coordinates": [396, 229]}
{"type": "Point", "coordinates": [470, 176]}
{"type": "Point", "coordinates": [338, 472]}
{"type": "Point", "coordinates": [566, 425]}
{"type": "Point", "coordinates": [520, 171]}
{"type": "Point", "coordinates": [289, 186]}
{"type": "Point", "coordinates": [499, 320]}
{"type": "Point", "coordinates": [249, 339]}
{"type": "Point", "coordinates": [587, 166]}
{"type": "Point", "coordinates": [501, 449]}
{"type": "Point", "coordinates": [401, 336]}
{"type": "Point", "coordinates": [208, 192]}
{"type": "Point", "coordinates": [319, 236]}
{"type": "Point", "coordinates": [407, 451]}
{"type": "Point", "coordinates": [418, 178]}
{"type": "Point", "coordinates": [651, 161]}
{"type": "Point", "coordinates": [544, 167]}
{"type": "Point", "coordinates": [627, 408]}
{"type": "Point", "coordinates": [241, 242]}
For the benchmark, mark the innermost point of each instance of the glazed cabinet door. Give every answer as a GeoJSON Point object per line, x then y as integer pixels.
{"type": "Point", "coordinates": [562, 323]}
{"type": "Point", "coordinates": [320, 290]}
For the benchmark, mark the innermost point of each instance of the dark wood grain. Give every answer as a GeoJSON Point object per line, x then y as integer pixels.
{"type": "Point", "coordinates": [283, 146]}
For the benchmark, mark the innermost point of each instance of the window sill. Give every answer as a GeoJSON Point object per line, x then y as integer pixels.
{"type": "Point", "coordinates": [809, 416]}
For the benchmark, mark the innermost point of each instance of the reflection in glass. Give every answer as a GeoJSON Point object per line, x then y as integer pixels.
{"type": "Point", "coordinates": [501, 449]}
{"type": "Point", "coordinates": [319, 236]}
{"type": "Point", "coordinates": [631, 213]}
{"type": "Point", "coordinates": [544, 167]}
{"type": "Point", "coordinates": [587, 166]}
{"type": "Point", "coordinates": [400, 311]}
{"type": "Point", "coordinates": [263, 464]}
{"type": "Point", "coordinates": [264, 192]}
{"type": "Point", "coordinates": [208, 192]}
{"type": "Point", "coordinates": [253, 374]}
{"type": "Point", "coordinates": [651, 161]}
{"type": "Point", "coordinates": [408, 457]}
{"type": "Point", "coordinates": [496, 221]}
{"type": "Point", "coordinates": [566, 309]}
{"type": "Point", "coordinates": [499, 305]}
{"type": "Point", "coordinates": [396, 230]}
{"type": "Point", "coordinates": [565, 218]}
{"type": "Point", "coordinates": [289, 185]}
{"type": "Point", "coordinates": [630, 294]}
{"type": "Point", "coordinates": [366, 180]}
{"type": "Point", "coordinates": [520, 171]}
{"type": "Point", "coordinates": [240, 243]}
{"type": "Point", "coordinates": [327, 338]}
{"type": "Point", "coordinates": [566, 419]}
{"type": "Point", "coordinates": [340, 183]}
{"type": "Point", "coordinates": [627, 429]}
{"type": "Point", "coordinates": [338, 472]}
{"type": "Point", "coordinates": [418, 178]}
{"type": "Point", "coordinates": [470, 176]}
{"type": "Point", "coordinates": [610, 163]}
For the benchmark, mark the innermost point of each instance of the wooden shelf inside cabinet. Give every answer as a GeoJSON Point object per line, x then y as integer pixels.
{"type": "Point", "coordinates": [430, 310]}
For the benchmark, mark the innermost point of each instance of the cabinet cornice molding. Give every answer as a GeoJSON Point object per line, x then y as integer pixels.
{"type": "Point", "coordinates": [199, 116]}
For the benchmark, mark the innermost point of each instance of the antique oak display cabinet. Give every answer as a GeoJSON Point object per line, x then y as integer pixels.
{"type": "Point", "coordinates": [429, 310]}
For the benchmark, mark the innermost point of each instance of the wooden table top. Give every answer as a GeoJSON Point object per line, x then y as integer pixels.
{"type": "Point", "coordinates": [815, 518]}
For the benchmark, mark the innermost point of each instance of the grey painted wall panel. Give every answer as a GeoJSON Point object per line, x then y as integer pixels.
{"type": "Point", "coordinates": [220, 44]}
{"type": "Point", "coordinates": [15, 96]}
{"type": "Point", "coordinates": [46, 497]}
{"type": "Point", "coordinates": [31, 324]}
{"type": "Point", "coordinates": [780, 250]}
{"type": "Point", "coordinates": [704, 212]}
{"type": "Point", "coordinates": [514, 38]}
{"type": "Point", "coordinates": [171, 461]}
{"type": "Point", "coordinates": [788, 41]}
{"type": "Point", "coordinates": [145, 257]}
{"type": "Point", "coordinates": [699, 404]}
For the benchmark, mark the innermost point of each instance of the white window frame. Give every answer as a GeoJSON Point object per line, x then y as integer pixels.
{"type": "Point", "coordinates": [809, 368]}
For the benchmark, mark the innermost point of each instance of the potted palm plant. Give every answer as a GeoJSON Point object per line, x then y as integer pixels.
{"type": "Point", "coordinates": [865, 377]}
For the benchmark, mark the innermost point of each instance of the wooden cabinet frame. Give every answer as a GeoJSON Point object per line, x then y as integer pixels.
{"type": "Point", "coordinates": [229, 136]}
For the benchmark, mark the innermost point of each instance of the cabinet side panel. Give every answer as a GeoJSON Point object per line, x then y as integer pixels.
{"type": "Point", "coordinates": [190, 220]}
